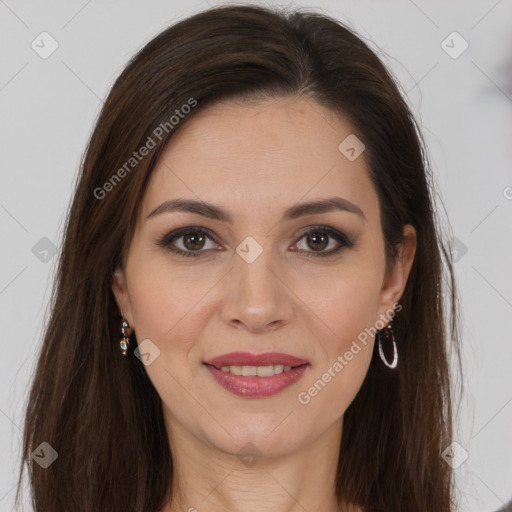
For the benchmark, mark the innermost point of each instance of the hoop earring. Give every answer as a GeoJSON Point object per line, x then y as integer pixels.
{"type": "Point", "coordinates": [125, 340]}
{"type": "Point", "coordinates": [393, 364]}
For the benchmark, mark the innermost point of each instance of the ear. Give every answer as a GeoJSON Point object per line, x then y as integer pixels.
{"type": "Point", "coordinates": [120, 290]}
{"type": "Point", "coordinates": [395, 280]}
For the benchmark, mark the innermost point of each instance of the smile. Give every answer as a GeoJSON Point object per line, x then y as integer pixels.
{"type": "Point", "coordinates": [252, 371]}
{"type": "Point", "coordinates": [256, 381]}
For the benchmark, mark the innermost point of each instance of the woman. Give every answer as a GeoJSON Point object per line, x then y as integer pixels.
{"type": "Point", "coordinates": [249, 312]}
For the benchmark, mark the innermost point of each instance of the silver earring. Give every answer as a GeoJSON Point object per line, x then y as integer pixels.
{"type": "Point", "coordinates": [393, 364]}
{"type": "Point", "coordinates": [125, 341]}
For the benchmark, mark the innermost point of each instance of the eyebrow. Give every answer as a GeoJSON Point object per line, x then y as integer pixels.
{"type": "Point", "coordinates": [215, 212]}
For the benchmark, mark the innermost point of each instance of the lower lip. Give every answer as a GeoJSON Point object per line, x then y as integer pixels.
{"type": "Point", "coordinates": [257, 387]}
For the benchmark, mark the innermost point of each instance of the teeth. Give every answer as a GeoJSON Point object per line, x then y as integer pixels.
{"type": "Point", "coordinates": [260, 371]}
{"type": "Point", "coordinates": [249, 370]}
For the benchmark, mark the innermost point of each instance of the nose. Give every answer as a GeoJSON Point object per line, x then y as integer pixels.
{"type": "Point", "coordinates": [257, 297]}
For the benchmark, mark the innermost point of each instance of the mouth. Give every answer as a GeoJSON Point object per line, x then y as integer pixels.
{"type": "Point", "coordinates": [257, 376]}
{"type": "Point", "coordinates": [256, 371]}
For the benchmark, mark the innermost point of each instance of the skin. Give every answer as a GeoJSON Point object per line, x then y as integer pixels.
{"type": "Point", "coordinates": [255, 160]}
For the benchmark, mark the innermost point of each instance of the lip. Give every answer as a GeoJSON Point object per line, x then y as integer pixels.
{"type": "Point", "coordinates": [248, 359]}
{"type": "Point", "coordinates": [257, 387]}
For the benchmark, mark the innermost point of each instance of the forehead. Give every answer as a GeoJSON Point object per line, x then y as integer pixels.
{"type": "Point", "coordinates": [257, 129]}
{"type": "Point", "coordinates": [259, 153]}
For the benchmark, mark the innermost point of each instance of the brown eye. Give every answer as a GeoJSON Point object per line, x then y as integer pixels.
{"type": "Point", "coordinates": [320, 238]}
{"type": "Point", "coordinates": [194, 241]}
{"type": "Point", "coordinates": [189, 241]}
{"type": "Point", "coordinates": [318, 242]}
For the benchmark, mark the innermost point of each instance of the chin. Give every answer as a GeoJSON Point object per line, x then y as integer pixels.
{"type": "Point", "coordinates": [264, 440]}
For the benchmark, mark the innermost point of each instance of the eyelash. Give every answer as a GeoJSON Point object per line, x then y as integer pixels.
{"type": "Point", "coordinates": [344, 240]}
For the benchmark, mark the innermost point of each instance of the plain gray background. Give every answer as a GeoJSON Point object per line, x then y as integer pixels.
{"type": "Point", "coordinates": [464, 106]}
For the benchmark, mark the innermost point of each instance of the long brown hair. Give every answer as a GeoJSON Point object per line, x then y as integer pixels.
{"type": "Point", "coordinates": [99, 411]}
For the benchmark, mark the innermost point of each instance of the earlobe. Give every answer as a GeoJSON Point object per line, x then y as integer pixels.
{"type": "Point", "coordinates": [121, 295]}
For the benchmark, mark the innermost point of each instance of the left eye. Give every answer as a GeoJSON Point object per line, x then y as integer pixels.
{"type": "Point", "coordinates": [193, 241]}
{"type": "Point", "coordinates": [317, 238]}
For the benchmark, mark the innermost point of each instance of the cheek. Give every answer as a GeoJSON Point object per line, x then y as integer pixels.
{"type": "Point", "coordinates": [343, 360]}
{"type": "Point", "coordinates": [350, 299]}
{"type": "Point", "coordinates": [346, 295]}
{"type": "Point", "coordinates": [170, 308]}
{"type": "Point", "coordinates": [345, 313]}
{"type": "Point", "coordinates": [342, 301]}
{"type": "Point", "coordinates": [164, 299]}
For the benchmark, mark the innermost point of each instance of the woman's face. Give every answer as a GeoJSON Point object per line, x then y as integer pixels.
{"type": "Point", "coordinates": [253, 281]}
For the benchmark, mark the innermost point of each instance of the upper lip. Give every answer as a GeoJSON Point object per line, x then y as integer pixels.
{"type": "Point", "coordinates": [248, 359]}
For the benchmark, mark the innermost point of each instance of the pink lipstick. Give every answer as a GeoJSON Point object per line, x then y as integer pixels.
{"type": "Point", "coordinates": [256, 375]}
